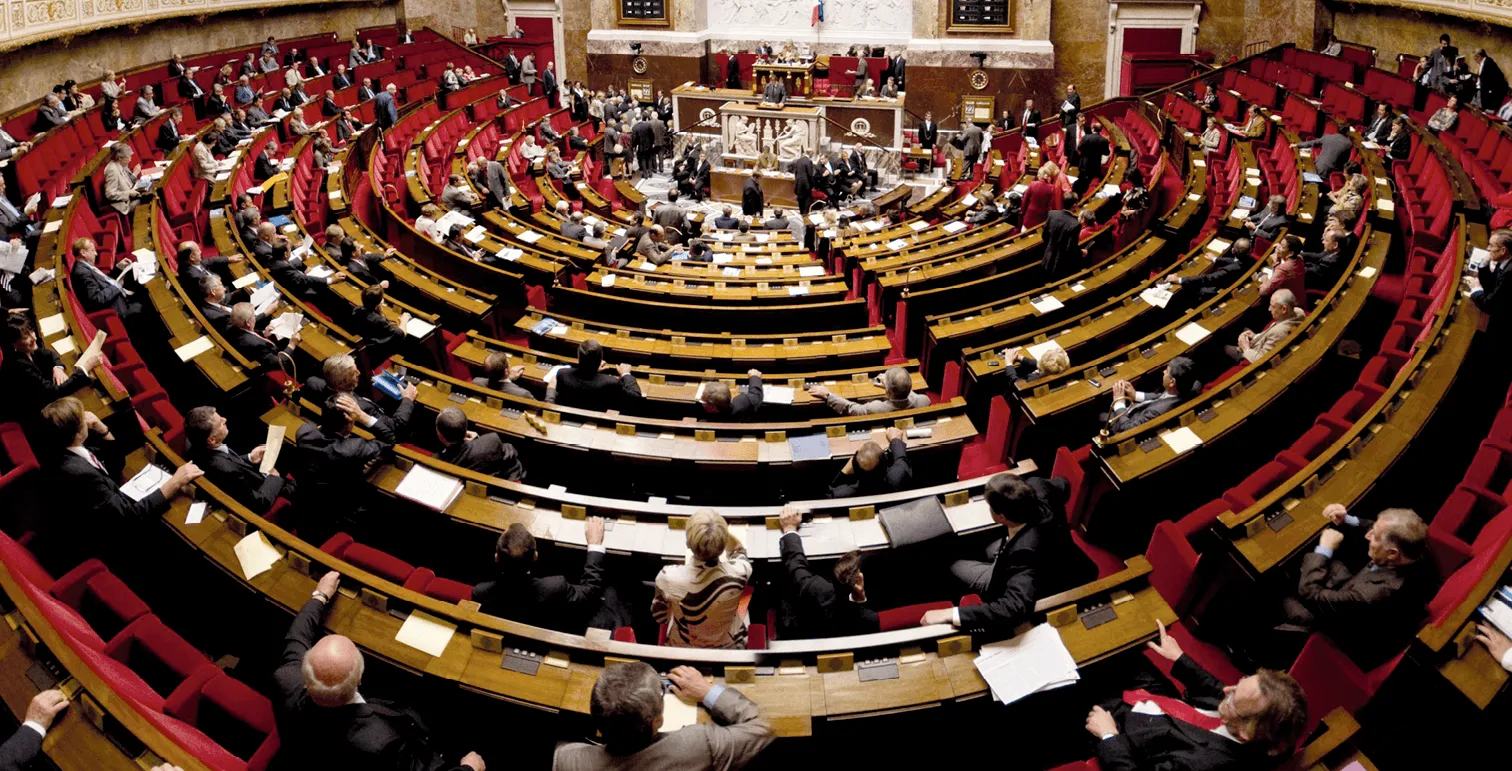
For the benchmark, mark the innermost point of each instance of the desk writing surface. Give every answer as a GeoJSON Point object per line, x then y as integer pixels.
{"type": "Point", "coordinates": [72, 743]}
{"type": "Point", "coordinates": [1476, 674]}
{"type": "Point", "coordinates": [920, 684]}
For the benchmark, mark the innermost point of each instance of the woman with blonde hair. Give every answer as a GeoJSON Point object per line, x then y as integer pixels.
{"type": "Point", "coordinates": [699, 600]}
{"type": "Point", "coordinates": [1044, 194]}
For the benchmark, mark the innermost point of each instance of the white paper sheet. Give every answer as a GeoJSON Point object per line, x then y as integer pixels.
{"type": "Point", "coordinates": [150, 478]}
{"type": "Point", "coordinates": [52, 325]}
{"type": "Point", "coordinates": [1182, 439]}
{"type": "Point", "coordinates": [1046, 304]}
{"type": "Point", "coordinates": [429, 488]}
{"type": "Point", "coordinates": [775, 394]}
{"type": "Point", "coordinates": [194, 348]}
{"type": "Point", "coordinates": [256, 555]}
{"type": "Point", "coordinates": [1031, 662]}
{"type": "Point", "coordinates": [1191, 333]}
{"type": "Point", "coordinates": [425, 633]}
{"type": "Point", "coordinates": [196, 513]}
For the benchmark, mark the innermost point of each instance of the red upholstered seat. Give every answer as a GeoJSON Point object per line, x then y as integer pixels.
{"type": "Point", "coordinates": [156, 654]}
{"type": "Point", "coordinates": [424, 581]}
{"type": "Point", "coordinates": [342, 547]}
{"type": "Point", "coordinates": [100, 598]}
{"type": "Point", "coordinates": [987, 456]}
{"type": "Point", "coordinates": [230, 713]}
{"type": "Point", "coordinates": [908, 615]}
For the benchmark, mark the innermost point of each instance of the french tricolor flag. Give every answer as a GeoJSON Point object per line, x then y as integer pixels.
{"type": "Point", "coordinates": [818, 13]}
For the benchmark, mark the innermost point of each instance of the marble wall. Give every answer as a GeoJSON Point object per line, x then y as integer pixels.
{"type": "Point", "coordinates": [1396, 31]}
{"type": "Point", "coordinates": [26, 74]}
{"type": "Point", "coordinates": [879, 22]}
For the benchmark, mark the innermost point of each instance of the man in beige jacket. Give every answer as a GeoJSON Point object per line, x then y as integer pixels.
{"type": "Point", "coordinates": [627, 710]}
{"type": "Point", "coordinates": [1285, 315]}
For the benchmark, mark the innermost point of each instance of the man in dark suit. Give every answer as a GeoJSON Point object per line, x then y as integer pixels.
{"type": "Point", "coordinates": [168, 133]}
{"type": "Point", "coordinates": [86, 479]}
{"type": "Point", "coordinates": [1090, 152]}
{"type": "Point", "coordinates": [643, 137]}
{"type": "Point", "coordinates": [328, 106]}
{"type": "Point", "coordinates": [98, 290]}
{"type": "Point", "coordinates": [340, 377]}
{"type": "Point", "coordinates": [340, 79]}
{"type": "Point", "coordinates": [1333, 152]}
{"type": "Point", "coordinates": [512, 68]}
{"type": "Point", "coordinates": [929, 131]}
{"type": "Point", "coordinates": [366, 91]}
{"type": "Point", "coordinates": [873, 470]}
{"type": "Point", "coordinates": [1380, 125]}
{"type": "Point", "coordinates": [1323, 267]}
{"type": "Point", "coordinates": [813, 606]}
{"type": "Point", "coordinates": [775, 92]}
{"type": "Point", "coordinates": [190, 91]}
{"type": "Point", "coordinates": [1226, 270]}
{"type": "Point", "coordinates": [1490, 83]}
{"type": "Point", "coordinates": [717, 400]}
{"type": "Point", "coordinates": [380, 335]}
{"type": "Point", "coordinates": [241, 333]}
{"type": "Point", "coordinates": [322, 719]}
{"type": "Point", "coordinates": [32, 376]}
{"type": "Point", "coordinates": [1488, 287]}
{"type": "Point", "coordinates": [386, 110]}
{"type": "Point", "coordinates": [484, 453]}
{"type": "Point", "coordinates": [582, 385]}
{"type": "Point", "coordinates": [26, 743]}
{"type": "Point", "coordinates": [971, 145]}
{"type": "Point", "coordinates": [803, 183]}
{"type": "Point", "coordinates": [1371, 612]}
{"type": "Point", "coordinates": [193, 267]}
{"type": "Point", "coordinates": [1035, 558]}
{"type": "Point", "coordinates": [699, 179]}
{"type": "Point", "coordinates": [1063, 255]}
{"type": "Point", "coordinates": [237, 474]}
{"type": "Point", "coordinates": [1030, 119]}
{"type": "Point", "coordinates": [549, 84]}
{"type": "Point", "coordinates": [334, 464]}
{"type": "Point", "coordinates": [752, 199]}
{"type": "Point", "coordinates": [1133, 408]}
{"type": "Point", "coordinates": [859, 169]}
{"type": "Point", "coordinates": [1070, 106]}
{"type": "Point", "coordinates": [552, 602]}
{"type": "Point", "coordinates": [1258, 724]}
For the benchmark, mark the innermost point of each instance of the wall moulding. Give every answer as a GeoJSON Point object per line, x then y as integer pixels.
{"type": "Point", "coordinates": [24, 22]}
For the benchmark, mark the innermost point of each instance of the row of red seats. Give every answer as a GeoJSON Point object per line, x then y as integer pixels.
{"type": "Point", "coordinates": [1427, 200]}
{"type": "Point", "coordinates": [1382, 86]}
{"type": "Point", "coordinates": [1483, 147]}
{"type": "Point", "coordinates": [1341, 101]}
{"type": "Point", "coordinates": [1252, 89]}
{"type": "Point", "coordinates": [1483, 493]}
{"type": "Point", "coordinates": [1336, 68]}
{"type": "Point", "coordinates": [1286, 76]}
{"type": "Point", "coordinates": [216, 718]}
{"type": "Point", "coordinates": [1300, 117]}
{"type": "Point", "coordinates": [1186, 114]}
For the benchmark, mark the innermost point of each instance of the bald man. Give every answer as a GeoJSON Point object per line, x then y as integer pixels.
{"type": "Point", "coordinates": [323, 722]}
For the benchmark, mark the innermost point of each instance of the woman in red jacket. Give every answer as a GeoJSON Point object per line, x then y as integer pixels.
{"type": "Point", "coordinates": [1287, 270]}
{"type": "Point", "coordinates": [1042, 196]}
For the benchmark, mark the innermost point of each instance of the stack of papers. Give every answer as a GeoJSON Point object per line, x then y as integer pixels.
{"type": "Point", "coordinates": [263, 297]}
{"type": "Point", "coordinates": [1498, 610]}
{"type": "Point", "coordinates": [1182, 439]}
{"type": "Point", "coordinates": [145, 482]}
{"type": "Point", "coordinates": [954, 227]}
{"type": "Point", "coordinates": [286, 325]}
{"type": "Point", "coordinates": [774, 394]}
{"type": "Point", "coordinates": [1156, 297]}
{"type": "Point", "coordinates": [1032, 662]}
{"type": "Point", "coordinates": [429, 488]}
{"type": "Point", "coordinates": [811, 271]}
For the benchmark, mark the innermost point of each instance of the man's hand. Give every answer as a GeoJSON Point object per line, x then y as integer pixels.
{"type": "Point", "coordinates": [236, 258]}
{"type": "Point", "coordinates": [1010, 355]}
{"type": "Point", "coordinates": [1335, 513]}
{"type": "Point", "coordinates": [257, 453]}
{"type": "Point", "coordinates": [1100, 723]}
{"type": "Point", "coordinates": [753, 372]}
{"type": "Point", "coordinates": [45, 706]}
{"type": "Point", "coordinates": [336, 278]}
{"type": "Point", "coordinates": [182, 476]}
{"type": "Point", "coordinates": [819, 392]}
{"type": "Point", "coordinates": [295, 339]}
{"type": "Point", "coordinates": [1166, 645]}
{"type": "Point", "coordinates": [328, 584]}
{"type": "Point", "coordinates": [94, 424]}
{"type": "Point", "coordinates": [1245, 338]}
{"type": "Point", "coordinates": [60, 375]}
{"type": "Point", "coordinates": [551, 378]}
{"type": "Point", "coordinates": [1496, 642]}
{"type": "Point", "coordinates": [893, 432]}
{"type": "Point", "coordinates": [688, 683]}
{"type": "Point", "coordinates": [123, 264]}
{"type": "Point", "coordinates": [931, 617]}
{"type": "Point", "coordinates": [473, 761]}
{"type": "Point", "coordinates": [1331, 539]}
{"type": "Point", "coordinates": [404, 320]}
{"type": "Point", "coordinates": [623, 369]}
{"type": "Point", "coordinates": [409, 392]}
{"type": "Point", "coordinates": [516, 371]}
{"type": "Point", "coordinates": [593, 530]}
{"type": "Point", "coordinates": [790, 518]}
{"type": "Point", "coordinates": [166, 767]}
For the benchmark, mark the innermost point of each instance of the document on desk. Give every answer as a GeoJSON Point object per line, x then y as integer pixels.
{"type": "Point", "coordinates": [263, 297]}
{"type": "Point", "coordinates": [418, 327]}
{"type": "Point", "coordinates": [811, 271]}
{"type": "Point", "coordinates": [1041, 349]}
{"type": "Point", "coordinates": [778, 394]}
{"type": "Point", "coordinates": [271, 447]}
{"type": "Point", "coordinates": [194, 347]}
{"type": "Point", "coordinates": [809, 447]}
{"type": "Point", "coordinates": [868, 533]}
{"type": "Point", "coordinates": [286, 325]}
{"type": "Point", "coordinates": [426, 633]}
{"type": "Point", "coordinates": [1182, 439]}
{"type": "Point", "coordinates": [52, 325]}
{"type": "Point", "coordinates": [826, 536]}
{"type": "Point", "coordinates": [256, 555]}
{"type": "Point", "coordinates": [1029, 663]}
{"type": "Point", "coordinates": [245, 281]}
{"type": "Point", "coordinates": [677, 713]}
{"type": "Point", "coordinates": [969, 516]}
{"type": "Point", "coordinates": [953, 227]}
{"type": "Point", "coordinates": [1156, 297]}
{"type": "Point", "coordinates": [573, 531]}
{"type": "Point", "coordinates": [619, 534]}
{"type": "Point", "coordinates": [150, 478]}
{"type": "Point", "coordinates": [674, 542]}
{"type": "Point", "coordinates": [429, 488]}
{"type": "Point", "coordinates": [1046, 304]}
{"type": "Point", "coordinates": [1192, 333]}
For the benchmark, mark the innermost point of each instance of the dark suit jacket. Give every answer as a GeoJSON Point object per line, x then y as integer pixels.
{"type": "Point", "coordinates": [27, 382]}
{"type": "Point", "coordinates": [168, 137]}
{"type": "Point", "coordinates": [929, 132]}
{"type": "Point", "coordinates": [1378, 129]}
{"type": "Point", "coordinates": [385, 112]}
{"type": "Point", "coordinates": [374, 328]}
{"type": "Point", "coordinates": [1140, 413]}
{"type": "Point", "coordinates": [1371, 614]}
{"type": "Point", "coordinates": [803, 174]}
{"type": "Point", "coordinates": [364, 93]}
{"type": "Point", "coordinates": [239, 477]}
{"type": "Point", "coordinates": [813, 606]}
{"type": "Point", "coordinates": [550, 601]}
{"type": "Point", "coordinates": [291, 278]}
{"type": "Point", "coordinates": [329, 108]}
{"type": "Point", "coordinates": [751, 199]}
{"type": "Point", "coordinates": [744, 406]}
{"type": "Point", "coordinates": [1031, 123]}
{"type": "Point", "coordinates": [1038, 561]}
{"type": "Point", "coordinates": [96, 293]}
{"type": "Point", "coordinates": [340, 81]}
{"type": "Point", "coordinates": [257, 348]}
{"type": "Point", "coordinates": [1333, 152]}
{"type": "Point", "coordinates": [19, 750]}
{"type": "Point", "coordinates": [375, 734]}
{"type": "Point", "coordinates": [100, 517]}
{"type": "Point", "coordinates": [593, 390]}
{"type": "Point", "coordinates": [1161, 742]}
{"type": "Point", "coordinates": [487, 454]}
{"type": "Point", "coordinates": [263, 168]}
{"type": "Point", "coordinates": [1089, 154]}
{"type": "Point", "coordinates": [1062, 255]}
{"type": "Point", "coordinates": [891, 475]}
{"type": "Point", "coordinates": [1493, 295]}
{"type": "Point", "coordinates": [1492, 85]}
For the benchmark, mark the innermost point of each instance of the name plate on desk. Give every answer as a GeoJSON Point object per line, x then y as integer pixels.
{"type": "Point", "coordinates": [1098, 616]}
{"type": "Point", "coordinates": [524, 662]}
{"type": "Point", "coordinates": [881, 669]}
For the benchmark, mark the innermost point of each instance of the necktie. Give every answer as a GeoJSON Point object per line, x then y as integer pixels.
{"type": "Point", "coordinates": [1176, 709]}
{"type": "Point", "coordinates": [96, 463]}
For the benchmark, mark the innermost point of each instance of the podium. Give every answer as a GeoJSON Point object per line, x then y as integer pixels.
{"type": "Point", "coordinates": [799, 78]}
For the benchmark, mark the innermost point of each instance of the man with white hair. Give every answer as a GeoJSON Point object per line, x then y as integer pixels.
{"type": "Point", "coordinates": [324, 721]}
{"type": "Point", "coordinates": [898, 384]}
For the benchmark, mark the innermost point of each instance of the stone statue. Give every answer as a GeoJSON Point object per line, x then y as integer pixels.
{"type": "Point", "coordinates": [766, 135]}
{"type": "Point", "coordinates": [743, 136]}
{"type": "Point", "coordinates": [793, 141]}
